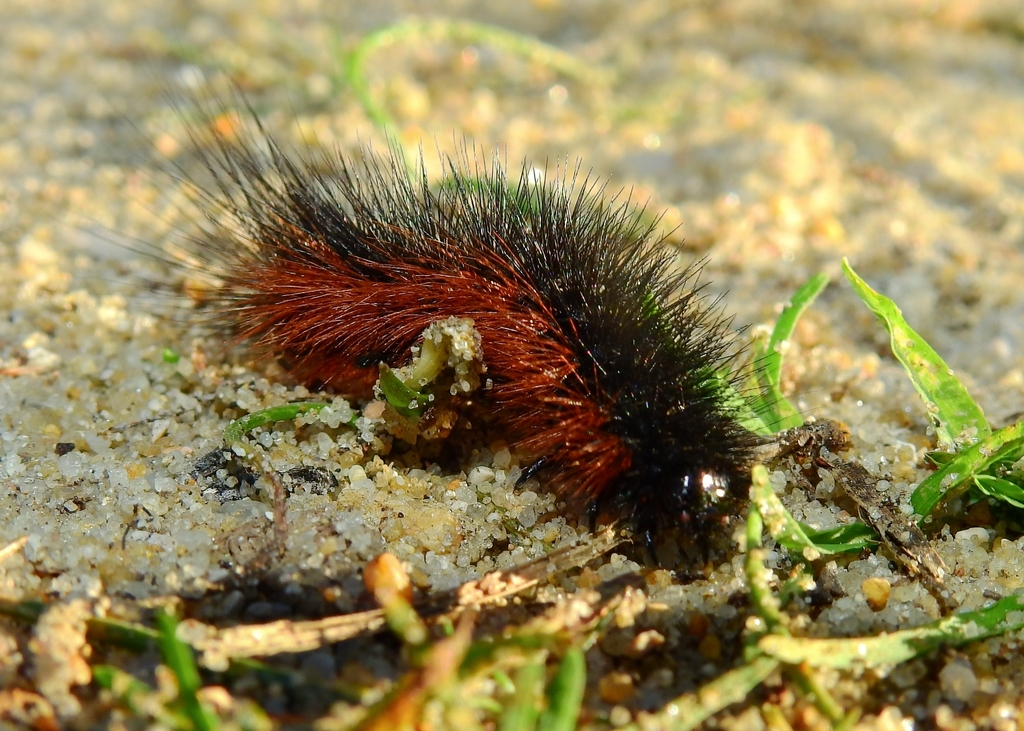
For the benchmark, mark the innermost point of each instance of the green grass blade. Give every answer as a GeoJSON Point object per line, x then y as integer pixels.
{"type": "Point", "coordinates": [774, 408]}
{"type": "Point", "coordinates": [565, 693]}
{"type": "Point", "coordinates": [178, 657]}
{"type": "Point", "coordinates": [963, 468]}
{"type": "Point", "coordinates": [122, 633]}
{"type": "Point", "coordinates": [418, 30]}
{"type": "Point", "coordinates": [523, 711]}
{"type": "Point", "coordinates": [762, 600]}
{"type": "Point", "coordinates": [28, 610]}
{"type": "Point", "coordinates": [691, 710]}
{"type": "Point", "coordinates": [781, 525]}
{"type": "Point", "coordinates": [848, 538]}
{"type": "Point", "coordinates": [126, 688]}
{"type": "Point", "coordinates": [238, 428]}
{"type": "Point", "coordinates": [796, 537]}
{"type": "Point", "coordinates": [897, 647]}
{"type": "Point", "coordinates": [747, 411]}
{"type": "Point", "coordinates": [767, 605]}
{"type": "Point", "coordinates": [958, 419]}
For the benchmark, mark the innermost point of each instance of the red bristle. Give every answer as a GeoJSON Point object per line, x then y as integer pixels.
{"type": "Point", "coordinates": [316, 314]}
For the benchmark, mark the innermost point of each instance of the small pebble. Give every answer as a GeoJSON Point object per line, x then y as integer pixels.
{"type": "Point", "coordinates": [616, 687]}
{"type": "Point", "coordinates": [876, 592]}
{"type": "Point", "coordinates": [385, 577]}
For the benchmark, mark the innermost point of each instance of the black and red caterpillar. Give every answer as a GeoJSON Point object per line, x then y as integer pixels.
{"type": "Point", "coordinates": [606, 360]}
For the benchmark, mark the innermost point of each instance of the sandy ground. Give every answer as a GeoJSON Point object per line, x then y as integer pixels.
{"type": "Point", "coordinates": [775, 142]}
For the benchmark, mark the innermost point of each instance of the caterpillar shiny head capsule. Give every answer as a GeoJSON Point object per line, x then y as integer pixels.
{"type": "Point", "coordinates": [605, 359]}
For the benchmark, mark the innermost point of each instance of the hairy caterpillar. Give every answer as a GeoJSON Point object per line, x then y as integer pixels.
{"type": "Point", "coordinates": [605, 361]}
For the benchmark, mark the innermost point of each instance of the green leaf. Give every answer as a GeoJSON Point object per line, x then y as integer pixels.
{"type": "Point", "coordinates": [238, 428]}
{"type": "Point", "coordinates": [958, 419]}
{"type": "Point", "coordinates": [848, 538]}
{"type": "Point", "coordinates": [796, 537]}
{"type": "Point", "coordinates": [772, 407]}
{"type": "Point", "coordinates": [565, 693]}
{"type": "Point", "coordinates": [964, 467]}
{"type": "Point", "coordinates": [1006, 615]}
{"type": "Point", "coordinates": [169, 355]}
{"type": "Point", "coordinates": [405, 400]}
{"type": "Point", "coordinates": [1000, 489]}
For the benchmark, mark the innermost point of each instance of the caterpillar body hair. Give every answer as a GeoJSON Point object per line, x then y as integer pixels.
{"type": "Point", "coordinates": [605, 357]}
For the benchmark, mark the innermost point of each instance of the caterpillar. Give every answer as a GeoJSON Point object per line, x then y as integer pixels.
{"type": "Point", "coordinates": [604, 357]}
